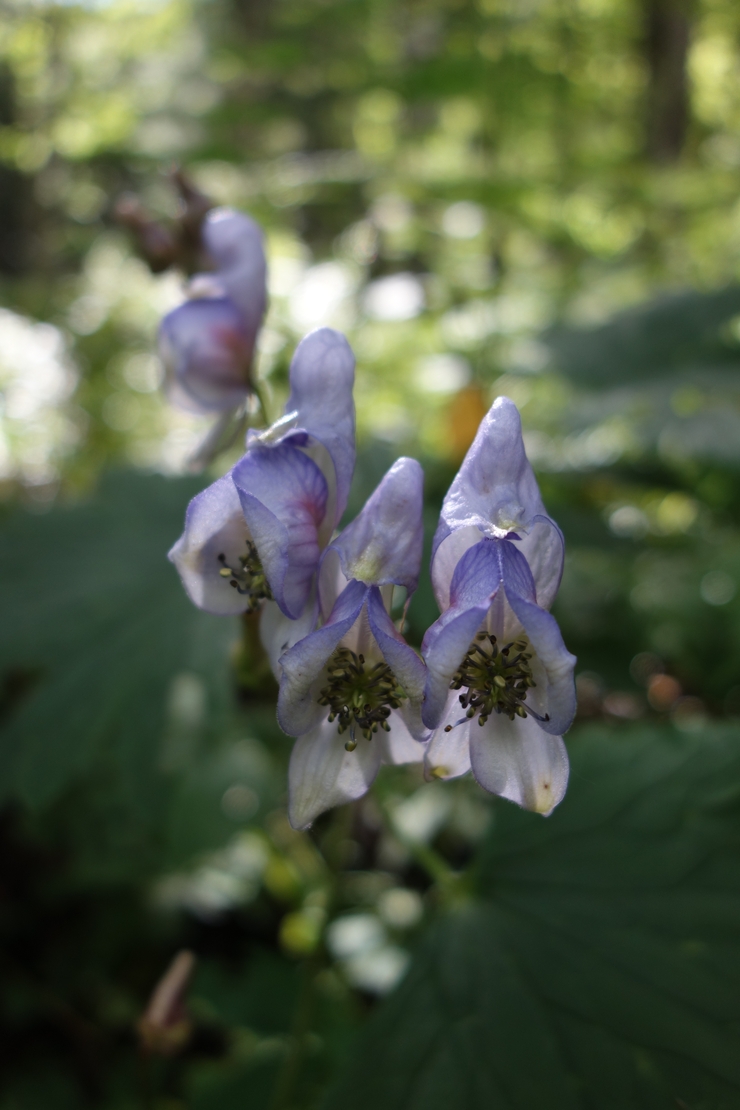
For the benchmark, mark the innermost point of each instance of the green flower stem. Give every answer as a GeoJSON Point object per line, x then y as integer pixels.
{"type": "Point", "coordinates": [283, 1095]}
{"type": "Point", "coordinates": [448, 882]}
{"type": "Point", "coordinates": [259, 393]}
{"type": "Point", "coordinates": [251, 664]}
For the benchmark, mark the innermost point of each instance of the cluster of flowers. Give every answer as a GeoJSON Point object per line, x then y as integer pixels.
{"type": "Point", "coordinates": [492, 690]}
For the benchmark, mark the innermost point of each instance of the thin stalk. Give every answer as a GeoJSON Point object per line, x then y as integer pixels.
{"type": "Point", "coordinates": [259, 394]}
{"type": "Point", "coordinates": [445, 878]}
{"type": "Point", "coordinates": [284, 1093]}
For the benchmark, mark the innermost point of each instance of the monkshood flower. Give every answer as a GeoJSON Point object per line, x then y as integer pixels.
{"type": "Point", "coordinates": [257, 533]}
{"type": "Point", "coordinates": [500, 690]}
{"type": "Point", "coordinates": [351, 691]}
{"type": "Point", "coordinates": [207, 344]}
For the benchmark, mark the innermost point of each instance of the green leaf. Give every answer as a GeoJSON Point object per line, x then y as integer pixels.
{"type": "Point", "coordinates": [260, 996]}
{"type": "Point", "coordinates": [601, 968]}
{"type": "Point", "coordinates": [673, 332]}
{"type": "Point", "coordinates": [96, 627]}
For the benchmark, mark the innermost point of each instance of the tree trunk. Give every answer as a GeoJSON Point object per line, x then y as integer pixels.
{"type": "Point", "coordinates": [667, 32]}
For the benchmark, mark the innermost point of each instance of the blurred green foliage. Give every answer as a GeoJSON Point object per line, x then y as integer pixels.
{"type": "Point", "coordinates": [599, 966]}
{"type": "Point", "coordinates": [488, 197]}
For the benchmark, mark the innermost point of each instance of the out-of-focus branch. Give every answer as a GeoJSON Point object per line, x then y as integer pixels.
{"type": "Point", "coordinates": [667, 35]}
{"type": "Point", "coordinates": [154, 242]}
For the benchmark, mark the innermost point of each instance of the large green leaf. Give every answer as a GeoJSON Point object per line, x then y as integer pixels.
{"type": "Point", "coordinates": [601, 968]}
{"type": "Point", "coordinates": [95, 629]}
{"type": "Point", "coordinates": [653, 340]}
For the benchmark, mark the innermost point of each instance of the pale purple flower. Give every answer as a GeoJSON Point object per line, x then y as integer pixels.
{"type": "Point", "coordinates": [257, 533]}
{"type": "Point", "coordinates": [500, 690]}
{"type": "Point", "coordinates": [207, 344]}
{"type": "Point", "coordinates": [351, 691]}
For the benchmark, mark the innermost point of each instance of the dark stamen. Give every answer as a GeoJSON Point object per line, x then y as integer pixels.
{"type": "Point", "coordinates": [492, 682]}
{"type": "Point", "coordinates": [359, 696]}
{"type": "Point", "coordinates": [248, 578]}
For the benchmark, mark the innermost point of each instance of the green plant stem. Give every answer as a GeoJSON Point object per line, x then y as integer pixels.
{"type": "Point", "coordinates": [283, 1094]}
{"type": "Point", "coordinates": [287, 1081]}
{"type": "Point", "coordinates": [258, 391]}
{"type": "Point", "coordinates": [447, 881]}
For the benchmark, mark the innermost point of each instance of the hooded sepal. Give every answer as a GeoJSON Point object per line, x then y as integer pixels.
{"type": "Point", "coordinates": [383, 544]}
{"type": "Point", "coordinates": [283, 497]}
{"type": "Point", "coordinates": [236, 245]}
{"type": "Point", "coordinates": [322, 374]}
{"type": "Point", "coordinates": [495, 493]}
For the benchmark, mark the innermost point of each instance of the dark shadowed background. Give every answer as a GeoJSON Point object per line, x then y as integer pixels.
{"type": "Point", "coordinates": [536, 198]}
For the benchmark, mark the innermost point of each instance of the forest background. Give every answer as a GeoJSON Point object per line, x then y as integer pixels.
{"type": "Point", "coordinates": [536, 198]}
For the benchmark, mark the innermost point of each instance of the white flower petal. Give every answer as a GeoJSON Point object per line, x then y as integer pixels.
{"type": "Point", "coordinates": [322, 774]}
{"type": "Point", "coordinates": [517, 760]}
{"type": "Point", "coordinates": [447, 754]}
{"type": "Point", "coordinates": [279, 633]}
{"type": "Point", "coordinates": [398, 745]}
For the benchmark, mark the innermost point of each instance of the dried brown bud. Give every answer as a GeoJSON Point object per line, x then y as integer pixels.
{"type": "Point", "coordinates": [177, 245]}
{"type": "Point", "coordinates": [155, 243]}
{"type": "Point", "coordinates": [165, 1027]}
{"type": "Point", "coordinates": [194, 206]}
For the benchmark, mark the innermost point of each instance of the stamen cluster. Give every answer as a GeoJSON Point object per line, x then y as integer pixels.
{"type": "Point", "coordinates": [495, 681]}
{"type": "Point", "coordinates": [249, 579]}
{"type": "Point", "coordinates": [361, 698]}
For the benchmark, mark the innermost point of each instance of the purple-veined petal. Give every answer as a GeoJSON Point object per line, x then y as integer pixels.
{"type": "Point", "coordinates": [399, 745]}
{"type": "Point", "coordinates": [383, 544]}
{"type": "Point", "coordinates": [474, 584]}
{"type": "Point", "coordinates": [322, 375]}
{"type": "Point", "coordinates": [447, 754]}
{"type": "Point", "coordinates": [207, 351]}
{"type": "Point", "coordinates": [495, 491]}
{"type": "Point", "coordinates": [443, 648]}
{"type": "Point", "coordinates": [303, 665]}
{"type": "Point", "coordinates": [517, 760]}
{"type": "Point", "coordinates": [283, 497]}
{"type": "Point", "coordinates": [322, 774]}
{"type": "Point", "coordinates": [279, 633]}
{"type": "Point", "coordinates": [447, 556]}
{"type": "Point", "coordinates": [558, 699]}
{"type": "Point", "coordinates": [214, 525]}
{"type": "Point", "coordinates": [515, 571]}
{"type": "Point", "coordinates": [235, 243]}
{"type": "Point", "coordinates": [401, 658]}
